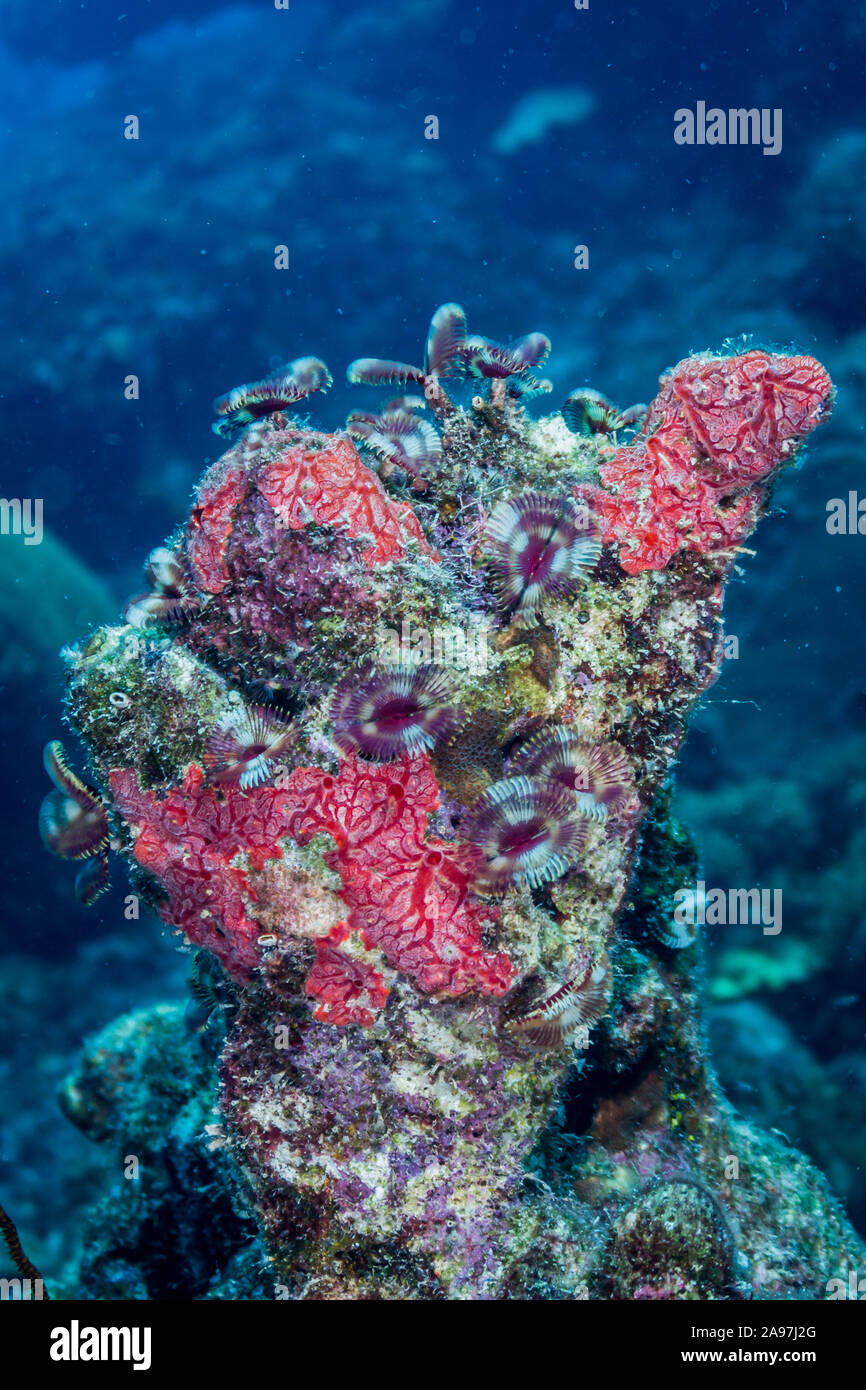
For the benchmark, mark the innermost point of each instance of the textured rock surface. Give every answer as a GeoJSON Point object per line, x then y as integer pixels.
{"type": "Point", "coordinates": [381, 1088]}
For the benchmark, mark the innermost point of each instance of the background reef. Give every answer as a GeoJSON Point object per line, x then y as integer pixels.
{"type": "Point", "coordinates": [156, 257]}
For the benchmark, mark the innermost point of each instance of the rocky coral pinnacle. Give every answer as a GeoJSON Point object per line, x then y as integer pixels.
{"type": "Point", "coordinates": [457, 877]}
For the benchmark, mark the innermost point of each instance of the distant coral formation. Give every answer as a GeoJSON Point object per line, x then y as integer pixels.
{"type": "Point", "coordinates": [460, 1049]}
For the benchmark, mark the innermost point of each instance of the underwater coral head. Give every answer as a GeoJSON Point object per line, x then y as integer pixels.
{"type": "Point", "coordinates": [426, 925]}
{"type": "Point", "coordinates": [381, 713]}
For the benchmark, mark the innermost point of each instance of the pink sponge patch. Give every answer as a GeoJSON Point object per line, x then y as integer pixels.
{"type": "Point", "coordinates": [191, 841]}
{"type": "Point", "coordinates": [211, 522]}
{"type": "Point", "coordinates": [718, 429]}
{"type": "Point", "coordinates": [348, 990]}
{"type": "Point", "coordinates": [407, 895]}
{"type": "Point", "coordinates": [323, 479]}
{"type": "Point", "coordinates": [744, 411]}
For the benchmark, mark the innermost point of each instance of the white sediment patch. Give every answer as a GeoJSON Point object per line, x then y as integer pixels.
{"type": "Point", "coordinates": [538, 112]}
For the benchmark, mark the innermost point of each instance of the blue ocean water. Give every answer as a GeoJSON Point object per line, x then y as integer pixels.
{"type": "Point", "coordinates": [309, 128]}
